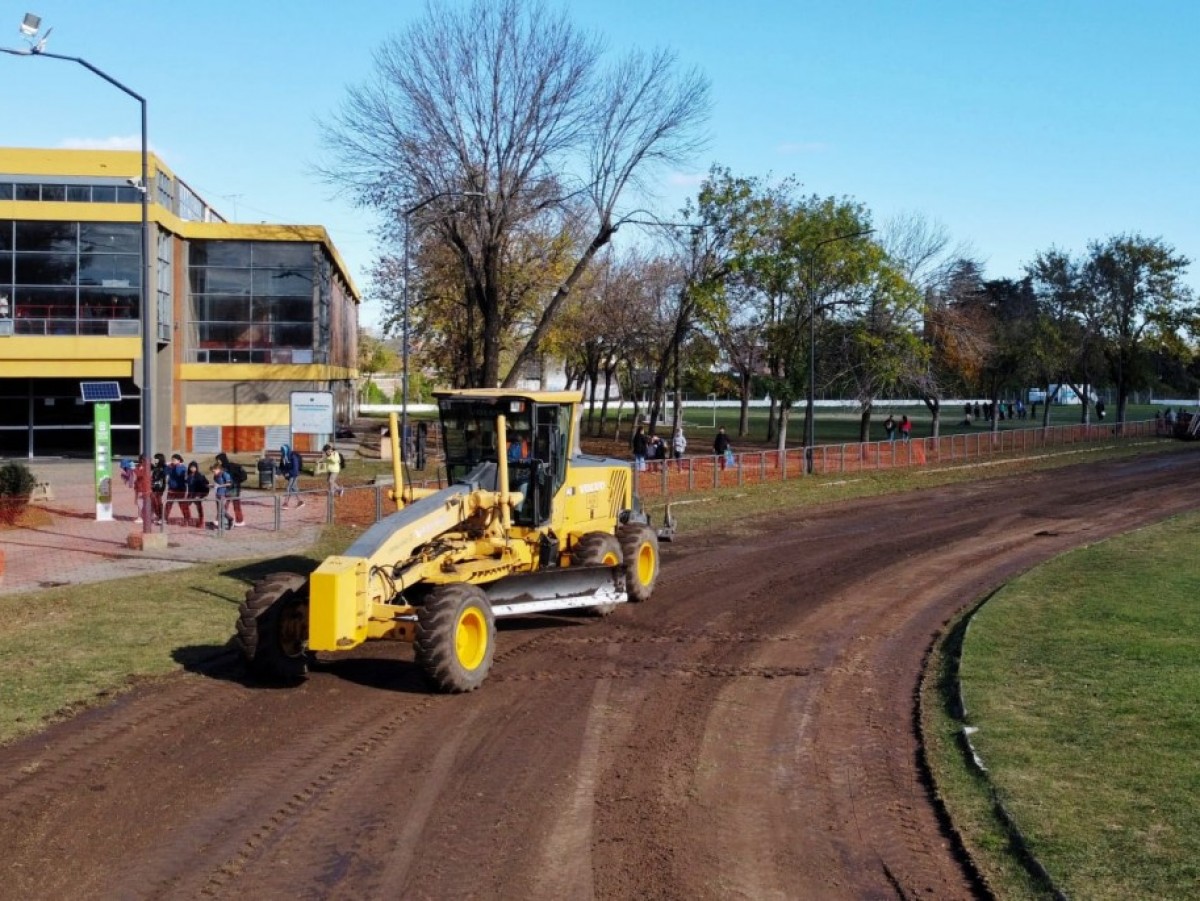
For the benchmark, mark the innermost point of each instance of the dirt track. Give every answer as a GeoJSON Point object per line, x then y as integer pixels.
{"type": "Point", "coordinates": [748, 733]}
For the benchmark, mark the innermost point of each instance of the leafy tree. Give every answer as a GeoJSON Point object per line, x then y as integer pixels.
{"type": "Point", "coordinates": [496, 117]}
{"type": "Point", "coordinates": [374, 357]}
{"type": "Point", "coordinates": [1137, 285]}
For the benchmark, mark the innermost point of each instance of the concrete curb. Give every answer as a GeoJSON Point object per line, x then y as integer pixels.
{"type": "Point", "coordinates": [975, 762]}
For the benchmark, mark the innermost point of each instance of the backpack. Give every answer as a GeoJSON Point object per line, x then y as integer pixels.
{"type": "Point", "coordinates": [341, 460]}
{"type": "Point", "coordinates": [295, 463]}
{"type": "Point", "coordinates": [237, 472]}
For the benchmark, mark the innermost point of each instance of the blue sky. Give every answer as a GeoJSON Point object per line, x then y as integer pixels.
{"type": "Point", "coordinates": [1017, 125]}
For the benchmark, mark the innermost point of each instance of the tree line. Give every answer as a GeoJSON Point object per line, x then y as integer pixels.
{"type": "Point", "coordinates": [506, 153]}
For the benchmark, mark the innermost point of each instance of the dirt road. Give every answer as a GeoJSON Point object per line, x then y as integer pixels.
{"type": "Point", "coordinates": [748, 733]}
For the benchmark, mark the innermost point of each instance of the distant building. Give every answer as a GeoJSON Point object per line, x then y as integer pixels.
{"type": "Point", "coordinates": [241, 315]}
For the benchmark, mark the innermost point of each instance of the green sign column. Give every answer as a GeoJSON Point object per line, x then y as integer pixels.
{"type": "Point", "coordinates": [102, 430]}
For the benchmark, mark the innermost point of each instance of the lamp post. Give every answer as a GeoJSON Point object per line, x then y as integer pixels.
{"type": "Point", "coordinates": [810, 408]}
{"type": "Point", "coordinates": [406, 214]}
{"type": "Point", "coordinates": [31, 29]}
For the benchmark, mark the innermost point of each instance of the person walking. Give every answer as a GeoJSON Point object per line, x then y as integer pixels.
{"type": "Point", "coordinates": [721, 447]}
{"type": "Point", "coordinates": [889, 428]}
{"type": "Point", "coordinates": [137, 476]}
{"type": "Point", "coordinates": [197, 491]}
{"type": "Point", "coordinates": [291, 464]}
{"type": "Point", "coordinates": [221, 483]}
{"type": "Point", "coordinates": [678, 444]}
{"type": "Point", "coordinates": [237, 475]}
{"type": "Point", "coordinates": [333, 467]}
{"type": "Point", "coordinates": [905, 428]}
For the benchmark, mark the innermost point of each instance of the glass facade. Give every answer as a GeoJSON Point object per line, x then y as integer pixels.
{"type": "Point", "coordinates": [70, 278]}
{"type": "Point", "coordinates": [69, 193]}
{"type": "Point", "coordinates": [252, 302]}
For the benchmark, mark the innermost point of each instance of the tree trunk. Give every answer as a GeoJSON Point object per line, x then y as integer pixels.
{"type": "Point", "coordinates": [744, 382]}
{"type": "Point", "coordinates": [864, 423]}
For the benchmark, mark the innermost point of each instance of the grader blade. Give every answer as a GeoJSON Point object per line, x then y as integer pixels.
{"type": "Point", "coordinates": [557, 589]}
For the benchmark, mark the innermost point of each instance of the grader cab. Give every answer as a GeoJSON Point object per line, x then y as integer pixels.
{"type": "Point", "coordinates": [526, 524]}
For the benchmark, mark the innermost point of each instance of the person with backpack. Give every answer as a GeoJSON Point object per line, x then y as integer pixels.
{"type": "Point", "coordinates": [177, 490]}
{"type": "Point", "coordinates": [237, 475]}
{"type": "Point", "coordinates": [334, 461]}
{"type": "Point", "coordinates": [291, 464]}
{"type": "Point", "coordinates": [158, 487]}
{"type": "Point", "coordinates": [222, 482]}
{"type": "Point", "coordinates": [197, 491]}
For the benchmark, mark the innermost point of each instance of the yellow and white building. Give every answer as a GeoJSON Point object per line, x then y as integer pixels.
{"type": "Point", "coordinates": [241, 316]}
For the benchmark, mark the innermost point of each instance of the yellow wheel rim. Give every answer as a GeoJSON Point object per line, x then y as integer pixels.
{"type": "Point", "coordinates": [470, 638]}
{"type": "Point", "coordinates": [645, 563]}
{"type": "Point", "coordinates": [610, 559]}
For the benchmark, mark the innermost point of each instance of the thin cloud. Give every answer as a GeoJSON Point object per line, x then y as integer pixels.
{"type": "Point", "coordinates": [686, 179]}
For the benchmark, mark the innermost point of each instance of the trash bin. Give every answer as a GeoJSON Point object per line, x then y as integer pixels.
{"type": "Point", "coordinates": [266, 473]}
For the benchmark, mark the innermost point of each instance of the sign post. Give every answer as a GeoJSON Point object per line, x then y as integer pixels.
{"type": "Point", "coordinates": [99, 395]}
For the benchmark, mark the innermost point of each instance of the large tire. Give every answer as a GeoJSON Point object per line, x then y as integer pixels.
{"type": "Point", "coordinates": [598, 549]}
{"type": "Point", "coordinates": [639, 549]}
{"type": "Point", "coordinates": [456, 638]}
{"type": "Point", "coordinates": [272, 629]}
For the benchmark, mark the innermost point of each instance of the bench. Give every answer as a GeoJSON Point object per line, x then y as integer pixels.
{"type": "Point", "coordinates": [42, 492]}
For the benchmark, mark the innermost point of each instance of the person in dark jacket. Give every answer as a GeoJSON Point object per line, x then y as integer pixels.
{"type": "Point", "coordinates": [177, 489]}
{"type": "Point", "coordinates": [640, 447]}
{"type": "Point", "coordinates": [197, 491]}
{"type": "Point", "coordinates": [290, 463]}
{"type": "Point", "coordinates": [721, 447]}
{"type": "Point", "coordinates": [158, 486]}
{"type": "Point", "coordinates": [234, 490]}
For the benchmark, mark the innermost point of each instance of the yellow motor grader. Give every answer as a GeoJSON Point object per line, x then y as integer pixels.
{"type": "Point", "coordinates": [527, 524]}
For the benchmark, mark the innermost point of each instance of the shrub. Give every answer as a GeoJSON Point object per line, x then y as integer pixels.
{"type": "Point", "coordinates": [16, 484]}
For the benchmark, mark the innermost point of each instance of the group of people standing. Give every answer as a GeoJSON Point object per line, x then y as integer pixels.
{"type": "Point", "coordinates": [170, 483]}
{"type": "Point", "coordinates": [890, 428]}
{"type": "Point", "coordinates": [166, 483]}
{"type": "Point", "coordinates": [652, 447]}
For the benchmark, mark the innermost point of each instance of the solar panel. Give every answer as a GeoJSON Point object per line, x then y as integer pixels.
{"type": "Point", "coordinates": [100, 392]}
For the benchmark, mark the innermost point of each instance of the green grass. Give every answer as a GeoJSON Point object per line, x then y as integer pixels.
{"type": "Point", "coordinates": [1082, 678]}
{"type": "Point", "coordinates": [62, 648]}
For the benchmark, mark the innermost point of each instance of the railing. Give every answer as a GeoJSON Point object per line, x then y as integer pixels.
{"type": "Point", "coordinates": [265, 510]}
{"type": "Point", "coordinates": [663, 478]}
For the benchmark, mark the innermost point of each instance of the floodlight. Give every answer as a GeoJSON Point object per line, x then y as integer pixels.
{"type": "Point", "coordinates": [31, 26]}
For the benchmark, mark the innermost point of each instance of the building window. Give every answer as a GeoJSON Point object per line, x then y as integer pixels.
{"type": "Point", "coordinates": [70, 278]}
{"type": "Point", "coordinates": [251, 301]}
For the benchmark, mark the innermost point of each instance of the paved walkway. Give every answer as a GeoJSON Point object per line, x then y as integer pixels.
{"type": "Point", "coordinates": [73, 548]}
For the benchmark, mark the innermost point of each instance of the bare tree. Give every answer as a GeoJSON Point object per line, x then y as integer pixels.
{"type": "Point", "coordinates": [499, 113]}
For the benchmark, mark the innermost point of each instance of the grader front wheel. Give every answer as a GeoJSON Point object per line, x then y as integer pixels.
{"type": "Point", "coordinates": [272, 629]}
{"type": "Point", "coordinates": [456, 638]}
{"type": "Point", "coordinates": [639, 550]}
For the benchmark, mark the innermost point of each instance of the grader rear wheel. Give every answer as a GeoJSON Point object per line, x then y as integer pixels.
{"type": "Point", "coordinates": [639, 550]}
{"type": "Point", "coordinates": [456, 638]}
{"type": "Point", "coordinates": [272, 628]}
{"type": "Point", "coordinates": [598, 549]}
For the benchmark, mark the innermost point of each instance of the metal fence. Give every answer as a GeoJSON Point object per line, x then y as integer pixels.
{"type": "Point", "coordinates": [663, 478]}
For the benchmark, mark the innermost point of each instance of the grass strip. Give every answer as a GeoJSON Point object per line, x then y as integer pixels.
{"type": "Point", "coordinates": [1081, 678]}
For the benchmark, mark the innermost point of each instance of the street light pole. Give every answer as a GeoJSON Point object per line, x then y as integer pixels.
{"type": "Point", "coordinates": [147, 412]}
{"type": "Point", "coordinates": [406, 214]}
{"type": "Point", "coordinates": [810, 408]}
